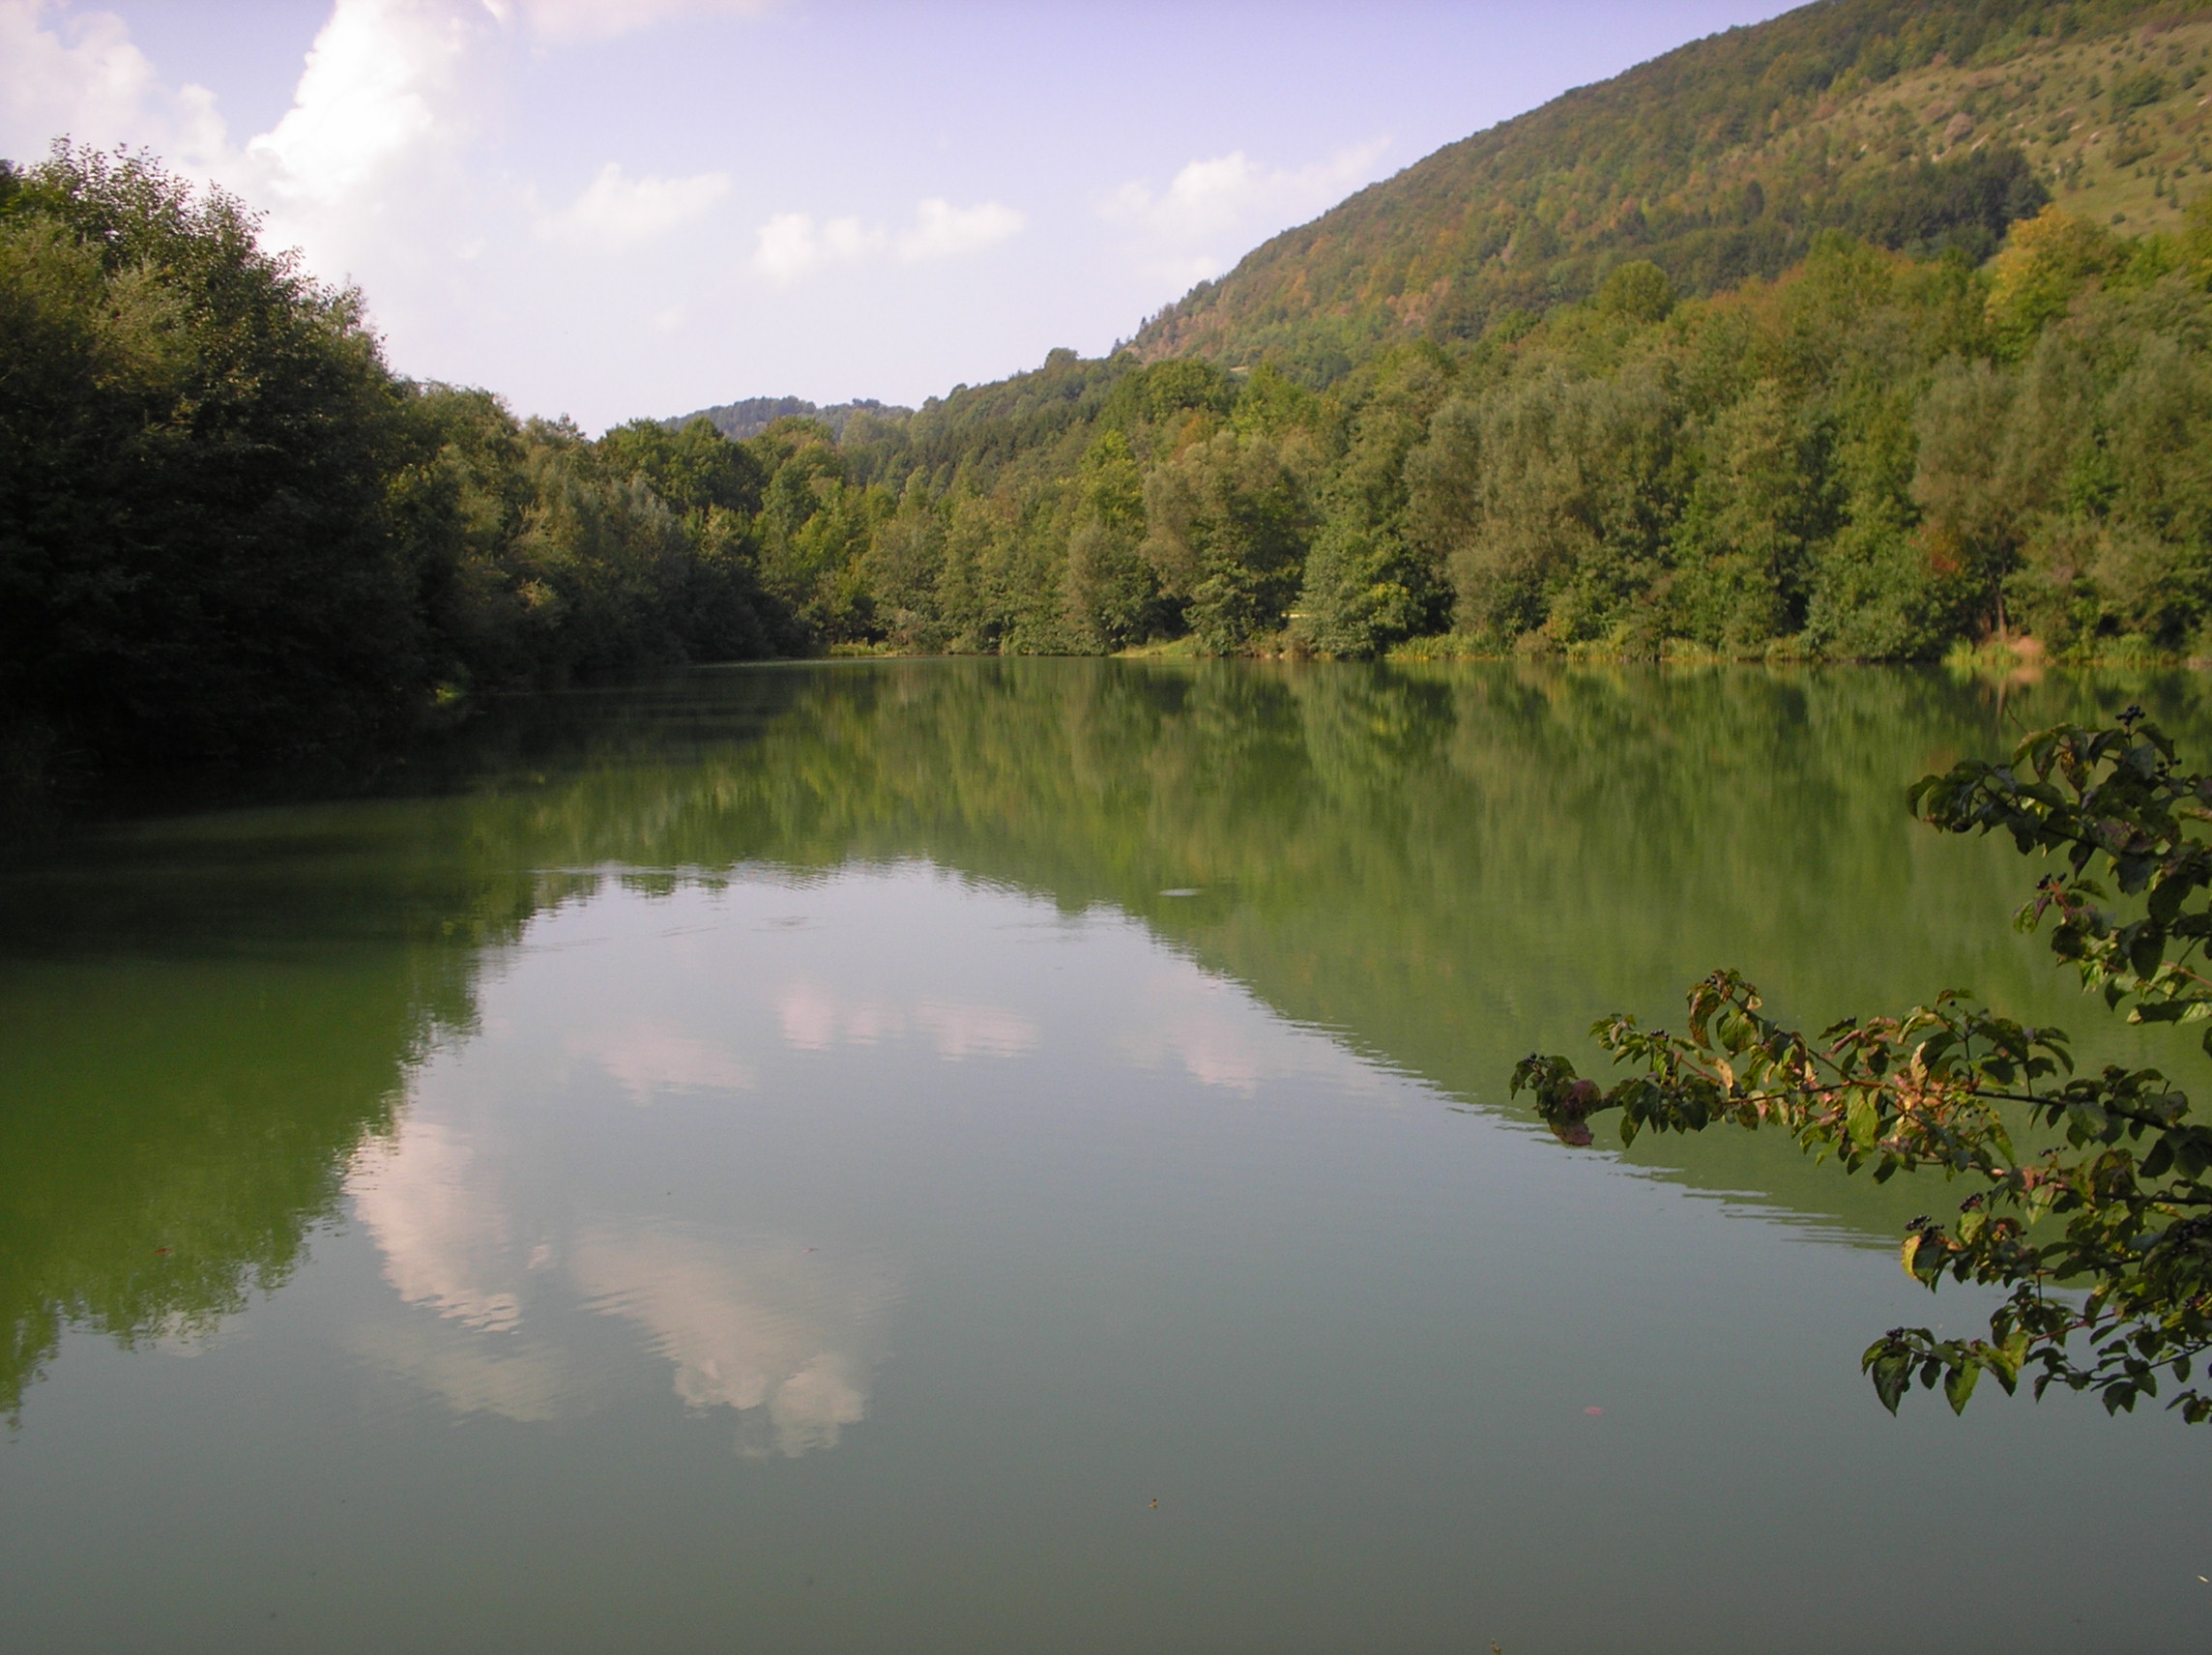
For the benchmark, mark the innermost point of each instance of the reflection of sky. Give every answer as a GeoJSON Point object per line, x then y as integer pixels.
{"type": "Point", "coordinates": [646, 1055]}
{"type": "Point", "coordinates": [526, 1211]}
{"type": "Point", "coordinates": [1205, 1024]}
{"type": "Point", "coordinates": [752, 1326]}
{"type": "Point", "coordinates": [444, 1236]}
{"type": "Point", "coordinates": [814, 1018]}
{"type": "Point", "coordinates": [747, 1328]}
{"type": "Point", "coordinates": [917, 1244]}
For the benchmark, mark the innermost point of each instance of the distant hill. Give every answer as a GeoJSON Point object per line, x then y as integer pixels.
{"type": "Point", "coordinates": [738, 420]}
{"type": "Point", "coordinates": [1924, 125]}
{"type": "Point", "coordinates": [1919, 126]}
{"type": "Point", "coordinates": [1868, 332]}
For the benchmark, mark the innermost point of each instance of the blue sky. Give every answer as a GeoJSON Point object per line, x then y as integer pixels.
{"type": "Point", "coordinates": [607, 208]}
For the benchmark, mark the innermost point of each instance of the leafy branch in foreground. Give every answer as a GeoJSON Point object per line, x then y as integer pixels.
{"type": "Point", "coordinates": [2105, 1241]}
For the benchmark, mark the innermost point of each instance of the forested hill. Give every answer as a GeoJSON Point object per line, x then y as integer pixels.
{"type": "Point", "coordinates": [1856, 335]}
{"type": "Point", "coordinates": [1917, 126]}
{"type": "Point", "coordinates": [753, 415]}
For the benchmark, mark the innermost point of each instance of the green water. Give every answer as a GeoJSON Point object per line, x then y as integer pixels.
{"type": "Point", "coordinates": [802, 1158]}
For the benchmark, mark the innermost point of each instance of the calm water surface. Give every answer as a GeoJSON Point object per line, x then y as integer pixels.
{"type": "Point", "coordinates": [981, 1157]}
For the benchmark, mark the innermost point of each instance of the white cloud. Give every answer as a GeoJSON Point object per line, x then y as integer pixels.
{"type": "Point", "coordinates": [81, 77]}
{"type": "Point", "coordinates": [792, 246]}
{"type": "Point", "coordinates": [1226, 200]}
{"type": "Point", "coordinates": [786, 1337]}
{"type": "Point", "coordinates": [1226, 191]}
{"type": "Point", "coordinates": [615, 212]}
{"type": "Point", "coordinates": [385, 81]}
{"type": "Point", "coordinates": [943, 230]}
{"type": "Point", "coordinates": [369, 169]}
{"type": "Point", "coordinates": [1186, 269]}
{"type": "Point", "coordinates": [603, 19]}
{"type": "Point", "coordinates": [808, 1015]}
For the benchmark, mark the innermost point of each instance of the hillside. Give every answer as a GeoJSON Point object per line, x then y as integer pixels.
{"type": "Point", "coordinates": [1919, 127]}
{"type": "Point", "coordinates": [751, 416]}
{"type": "Point", "coordinates": [1868, 332]}
{"type": "Point", "coordinates": [1860, 334]}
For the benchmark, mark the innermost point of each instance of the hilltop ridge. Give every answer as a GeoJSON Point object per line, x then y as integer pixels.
{"type": "Point", "coordinates": [1920, 127]}
{"type": "Point", "coordinates": [1872, 332]}
{"type": "Point", "coordinates": [751, 416]}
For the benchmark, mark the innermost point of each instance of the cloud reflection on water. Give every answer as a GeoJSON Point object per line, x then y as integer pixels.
{"type": "Point", "coordinates": [422, 1195]}
{"type": "Point", "coordinates": [766, 1326]}
{"type": "Point", "coordinates": [814, 1018]}
{"type": "Point", "coordinates": [549, 1232]}
{"type": "Point", "coordinates": [1211, 1027]}
{"type": "Point", "coordinates": [529, 1381]}
{"type": "Point", "coordinates": [783, 1336]}
{"type": "Point", "coordinates": [649, 1055]}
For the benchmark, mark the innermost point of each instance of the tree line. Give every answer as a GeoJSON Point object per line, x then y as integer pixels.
{"type": "Point", "coordinates": [226, 527]}
{"type": "Point", "coordinates": [1870, 457]}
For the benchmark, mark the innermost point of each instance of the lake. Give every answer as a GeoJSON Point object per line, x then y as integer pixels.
{"type": "Point", "coordinates": [981, 1156]}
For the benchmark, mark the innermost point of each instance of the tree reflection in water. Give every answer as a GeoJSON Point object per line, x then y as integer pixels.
{"type": "Point", "coordinates": [213, 1020]}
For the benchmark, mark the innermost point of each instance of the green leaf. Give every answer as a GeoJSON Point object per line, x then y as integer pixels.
{"type": "Point", "coordinates": [1890, 1378]}
{"type": "Point", "coordinates": [1863, 1120]}
{"type": "Point", "coordinates": [1960, 1385]}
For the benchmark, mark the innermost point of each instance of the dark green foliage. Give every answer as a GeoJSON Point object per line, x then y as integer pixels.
{"type": "Point", "coordinates": [1227, 521]}
{"type": "Point", "coordinates": [1639, 291]}
{"type": "Point", "coordinates": [2136, 91]}
{"type": "Point", "coordinates": [1846, 457]}
{"type": "Point", "coordinates": [1551, 498]}
{"type": "Point", "coordinates": [693, 468]}
{"type": "Point", "coordinates": [1365, 589]}
{"type": "Point", "coordinates": [738, 420]}
{"type": "Point", "coordinates": [1151, 405]}
{"type": "Point", "coordinates": [196, 437]}
{"type": "Point", "coordinates": [992, 425]}
{"type": "Point", "coordinates": [227, 529]}
{"type": "Point", "coordinates": [1933, 207]}
{"type": "Point", "coordinates": [1367, 586]}
{"type": "Point", "coordinates": [2123, 1209]}
{"type": "Point", "coordinates": [1112, 594]}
